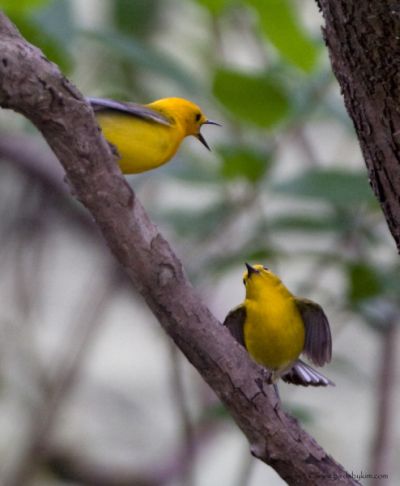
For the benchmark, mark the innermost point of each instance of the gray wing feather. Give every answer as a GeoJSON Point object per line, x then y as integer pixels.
{"type": "Point", "coordinates": [103, 104]}
{"type": "Point", "coordinates": [234, 321]}
{"type": "Point", "coordinates": [318, 340]}
{"type": "Point", "coordinates": [303, 374]}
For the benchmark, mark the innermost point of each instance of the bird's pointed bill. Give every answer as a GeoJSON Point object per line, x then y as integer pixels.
{"type": "Point", "coordinates": [203, 141]}
{"type": "Point", "coordinates": [250, 269]}
{"type": "Point", "coordinates": [211, 122]}
{"type": "Point", "coordinates": [200, 136]}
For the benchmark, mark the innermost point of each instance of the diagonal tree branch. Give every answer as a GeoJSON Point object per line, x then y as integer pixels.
{"type": "Point", "coordinates": [31, 85]}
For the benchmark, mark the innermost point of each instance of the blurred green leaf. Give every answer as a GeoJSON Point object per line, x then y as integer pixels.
{"type": "Point", "coordinates": [336, 186]}
{"type": "Point", "coordinates": [215, 6]}
{"type": "Point", "coordinates": [19, 6]}
{"type": "Point", "coordinates": [306, 223]}
{"type": "Point", "coordinates": [135, 16]}
{"type": "Point", "coordinates": [391, 280]}
{"type": "Point", "coordinates": [250, 252]}
{"type": "Point", "coordinates": [141, 55]}
{"type": "Point", "coordinates": [193, 171]}
{"type": "Point", "coordinates": [34, 32]}
{"type": "Point", "coordinates": [56, 20]}
{"type": "Point", "coordinates": [364, 282]}
{"type": "Point", "coordinates": [282, 26]}
{"type": "Point", "coordinates": [241, 162]}
{"type": "Point", "coordinates": [195, 222]}
{"type": "Point", "coordinates": [255, 98]}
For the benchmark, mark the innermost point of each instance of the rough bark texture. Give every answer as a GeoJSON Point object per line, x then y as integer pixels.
{"type": "Point", "coordinates": [30, 85]}
{"type": "Point", "coordinates": [363, 41]}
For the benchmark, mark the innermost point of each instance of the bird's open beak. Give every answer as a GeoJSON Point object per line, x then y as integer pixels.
{"type": "Point", "coordinates": [211, 122]}
{"type": "Point", "coordinates": [250, 269]}
{"type": "Point", "coordinates": [200, 136]}
{"type": "Point", "coordinates": [203, 141]}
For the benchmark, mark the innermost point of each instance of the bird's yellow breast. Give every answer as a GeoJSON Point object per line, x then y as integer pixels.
{"type": "Point", "coordinates": [273, 330]}
{"type": "Point", "coordinates": [142, 144]}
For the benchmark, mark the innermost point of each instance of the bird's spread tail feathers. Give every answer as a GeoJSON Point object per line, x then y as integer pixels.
{"type": "Point", "coordinates": [303, 374]}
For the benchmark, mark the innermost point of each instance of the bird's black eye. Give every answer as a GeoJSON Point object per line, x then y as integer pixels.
{"type": "Point", "coordinates": [198, 116]}
{"type": "Point", "coordinates": [244, 281]}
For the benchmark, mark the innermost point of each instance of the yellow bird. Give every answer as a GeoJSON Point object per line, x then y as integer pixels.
{"type": "Point", "coordinates": [276, 327]}
{"type": "Point", "coordinates": [147, 136]}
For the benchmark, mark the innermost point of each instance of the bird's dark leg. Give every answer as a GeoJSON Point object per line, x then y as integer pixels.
{"type": "Point", "coordinates": [269, 378]}
{"type": "Point", "coordinates": [277, 392]}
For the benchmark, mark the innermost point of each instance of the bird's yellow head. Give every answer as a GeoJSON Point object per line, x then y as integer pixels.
{"type": "Point", "coordinates": [258, 280]}
{"type": "Point", "coordinates": [185, 113]}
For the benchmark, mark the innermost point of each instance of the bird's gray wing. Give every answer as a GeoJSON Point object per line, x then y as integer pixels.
{"type": "Point", "coordinates": [140, 111]}
{"type": "Point", "coordinates": [234, 321]}
{"type": "Point", "coordinates": [318, 340]}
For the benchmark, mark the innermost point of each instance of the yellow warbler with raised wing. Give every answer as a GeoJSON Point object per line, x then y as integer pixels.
{"type": "Point", "coordinates": [276, 327]}
{"type": "Point", "coordinates": [147, 136]}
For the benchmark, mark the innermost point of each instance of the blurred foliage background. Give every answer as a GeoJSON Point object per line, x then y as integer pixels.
{"type": "Point", "coordinates": [91, 391]}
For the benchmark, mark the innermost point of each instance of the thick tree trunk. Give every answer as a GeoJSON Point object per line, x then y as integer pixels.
{"type": "Point", "coordinates": [363, 38]}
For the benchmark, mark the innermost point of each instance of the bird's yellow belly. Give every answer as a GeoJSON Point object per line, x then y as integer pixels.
{"type": "Point", "coordinates": [274, 333]}
{"type": "Point", "coordinates": [142, 145]}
